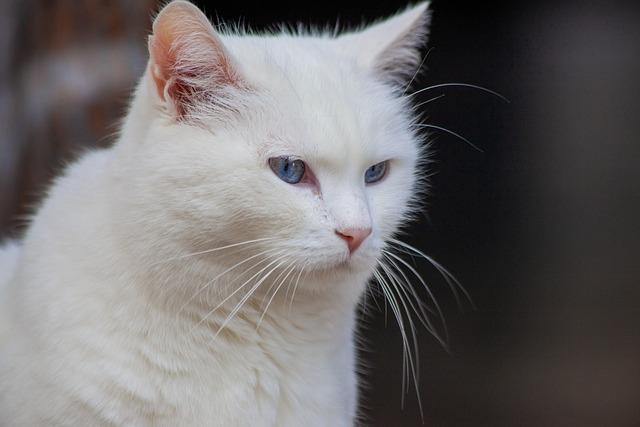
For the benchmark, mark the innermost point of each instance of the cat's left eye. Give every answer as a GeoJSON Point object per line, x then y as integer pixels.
{"type": "Point", "coordinates": [288, 169]}
{"type": "Point", "coordinates": [376, 172]}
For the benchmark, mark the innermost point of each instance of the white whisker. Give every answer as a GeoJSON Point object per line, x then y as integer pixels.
{"type": "Point", "coordinates": [423, 317]}
{"type": "Point", "coordinates": [412, 327]}
{"type": "Point", "coordinates": [210, 282]}
{"type": "Point", "coordinates": [247, 296]}
{"type": "Point", "coordinates": [237, 290]}
{"type": "Point", "coordinates": [441, 85]}
{"type": "Point", "coordinates": [290, 268]}
{"type": "Point", "coordinates": [293, 295]}
{"type": "Point", "coordinates": [426, 287]}
{"type": "Point", "coordinates": [417, 71]}
{"type": "Point", "coordinates": [408, 282]}
{"type": "Point", "coordinates": [275, 282]}
{"type": "Point", "coordinates": [408, 365]}
{"type": "Point", "coordinates": [441, 269]}
{"type": "Point", "coordinates": [213, 250]}
{"type": "Point", "coordinates": [450, 132]}
{"type": "Point", "coordinates": [435, 98]}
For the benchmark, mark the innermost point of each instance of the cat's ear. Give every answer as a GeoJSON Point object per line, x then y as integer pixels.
{"type": "Point", "coordinates": [188, 61]}
{"type": "Point", "coordinates": [391, 47]}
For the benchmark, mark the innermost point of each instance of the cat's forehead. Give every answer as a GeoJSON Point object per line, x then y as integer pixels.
{"type": "Point", "coordinates": [307, 67]}
{"type": "Point", "coordinates": [320, 102]}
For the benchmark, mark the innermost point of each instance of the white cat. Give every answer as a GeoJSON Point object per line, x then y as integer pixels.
{"type": "Point", "coordinates": [205, 271]}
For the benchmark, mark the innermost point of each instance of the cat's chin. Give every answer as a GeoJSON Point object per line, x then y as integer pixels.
{"type": "Point", "coordinates": [347, 266]}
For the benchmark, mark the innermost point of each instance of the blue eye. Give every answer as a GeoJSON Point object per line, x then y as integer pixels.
{"type": "Point", "coordinates": [376, 172]}
{"type": "Point", "coordinates": [289, 170]}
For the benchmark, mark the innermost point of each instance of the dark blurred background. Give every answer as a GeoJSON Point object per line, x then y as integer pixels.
{"type": "Point", "coordinates": [542, 227]}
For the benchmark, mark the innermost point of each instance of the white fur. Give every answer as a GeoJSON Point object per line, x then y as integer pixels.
{"type": "Point", "coordinates": [100, 326]}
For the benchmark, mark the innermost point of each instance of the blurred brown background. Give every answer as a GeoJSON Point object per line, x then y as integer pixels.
{"type": "Point", "coordinates": [542, 228]}
{"type": "Point", "coordinates": [66, 71]}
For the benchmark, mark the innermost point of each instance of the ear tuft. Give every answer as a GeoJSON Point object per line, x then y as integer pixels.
{"type": "Point", "coordinates": [188, 61]}
{"type": "Point", "coordinates": [392, 47]}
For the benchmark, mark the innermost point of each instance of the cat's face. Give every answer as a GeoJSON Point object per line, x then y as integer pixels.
{"type": "Point", "coordinates": [299, 146]}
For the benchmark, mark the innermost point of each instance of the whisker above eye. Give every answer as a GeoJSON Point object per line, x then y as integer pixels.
{"type": "Point", "coordinates": [450, 132]}
{"type": "Point", "coordinates": [435, 98]}
{"type": "Point", "coordinates": [467, 85]}
{"type": "Point", "coordinates": [415, 74]}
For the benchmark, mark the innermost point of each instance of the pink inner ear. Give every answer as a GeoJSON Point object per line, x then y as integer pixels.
{"type": "Point", "coordinates": [188, 59]}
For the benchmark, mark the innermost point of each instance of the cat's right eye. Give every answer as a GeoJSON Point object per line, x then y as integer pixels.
{"type": "Point", "coordinates": [376, 172]}
{"type": "Point", "coordinates": [288, 169]}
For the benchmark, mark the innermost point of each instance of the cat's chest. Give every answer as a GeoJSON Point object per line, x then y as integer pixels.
{"type": "Point", "coordinates": [258, 383]}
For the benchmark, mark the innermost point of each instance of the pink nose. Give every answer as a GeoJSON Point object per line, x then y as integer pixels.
{"type": "Point", "coordinates": [354, 237]}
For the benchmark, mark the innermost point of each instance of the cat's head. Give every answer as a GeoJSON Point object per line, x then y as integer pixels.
{"type": "Point", "coordinates": [297, 150]}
